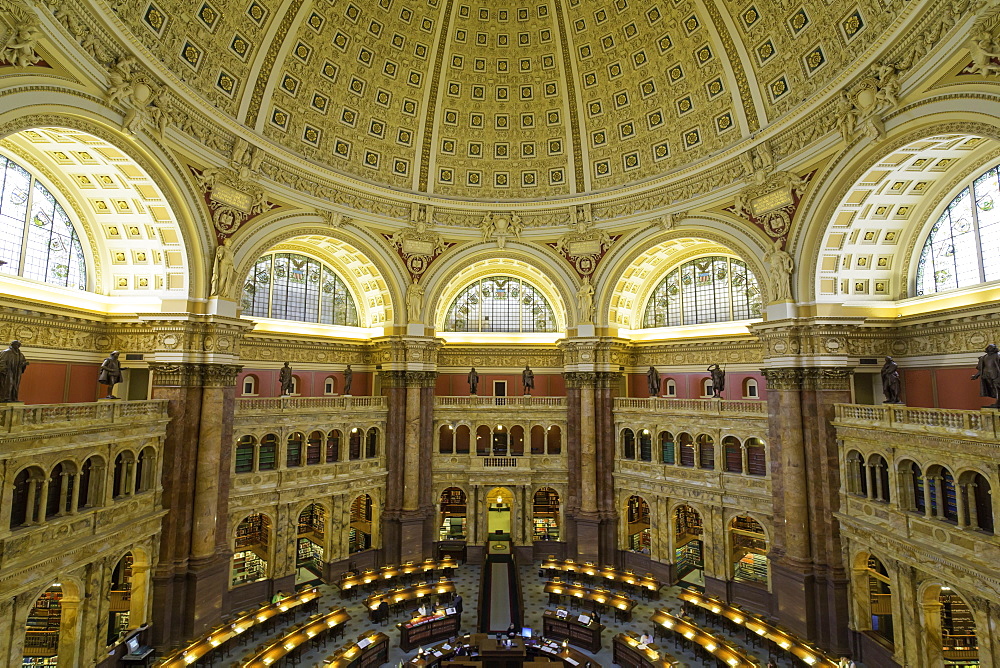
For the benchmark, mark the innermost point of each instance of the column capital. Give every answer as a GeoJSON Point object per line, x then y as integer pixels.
{"type": "Point", "coordinates": [192, 374]}
{"type": "Point", "coordinates": [808, 378]}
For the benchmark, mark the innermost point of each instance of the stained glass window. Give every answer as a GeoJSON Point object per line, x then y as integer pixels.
{"type": "Point", "coordinates": [500, 304]}
{"type": "Point", "coordinates": [37, 238]}
{"type": "Point", "coordinates": [963, 247]}
{"type": "Point", "coordinates": [290, 286]}
{"type": "Point", "coordinates": [708, 289]}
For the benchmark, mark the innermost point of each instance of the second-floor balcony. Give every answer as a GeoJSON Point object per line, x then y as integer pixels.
{"type": "Point", "coordinates": [664, 405]}
{"type": "Point", "coordinates": [474, 463]}
{"type": "Point", "coordinates": [983, 423]}
{"type": "Point", "coordinates": [525, 401]}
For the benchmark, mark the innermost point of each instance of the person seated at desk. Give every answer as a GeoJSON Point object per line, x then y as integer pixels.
{"type": "Point", "coordinates": [645, 639]}
{"type": "Point", "coordinates": [425, 609]}
{"type": "Point", "coordinates": [512, 631]}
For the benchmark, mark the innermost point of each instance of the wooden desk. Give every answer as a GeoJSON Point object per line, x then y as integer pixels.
{"type": "Point", "coordinates": [550, 649]}
{"type": "Point", "coordinates": [425, 630]}
{"type": "Point", "coordinates": [220, 635]}
{"type": "Point", "coordinates": [715, 646]}
{"type": "Point", "coordinates": [491, 648]}
{"type": "Point", "coordinates": [290, 642]}
{"type": "Point", "coordinates": [802, 651]}
{"type": "Point", "coordinates": [445, 655]}
{"type": "Point", "coordinates": [369, 650]}
{"type": "Point", "coordinates": [630, 653]}
{"type": "Point", "coordinates": [349, 581]}
{"type": "Point", "coordinates": [622, 605]}
{"type": "Point", "coordinates": [587, 636]}
{"type": "Point", "coordinates": [647, 581]}
{"type": "Point", "coordinates": [415, 593]}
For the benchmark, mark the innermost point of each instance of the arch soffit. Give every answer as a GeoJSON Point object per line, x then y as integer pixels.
{"type": "Point", "coordinates": [530, 263]}
{"type": "Point", "coordinates": [322, 503]}
{"type": "Point", "coordinates": [845, 172]}
{"type": "Point", "coordinates": [72, 583]}
{"type": "Point", "coordinates": [929, 590]}
{"type": "Point", "coordinates": [363, 265]}
{"type": "Point", "coordinates": [633, 273]}
{"type": "Point", "coordinates": [762, 522]}
{"type": "Point", "coordinates": [164, 183]}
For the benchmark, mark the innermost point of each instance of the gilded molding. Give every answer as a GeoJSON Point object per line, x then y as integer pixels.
{"type": "Point", "coordinates": [193, 374]}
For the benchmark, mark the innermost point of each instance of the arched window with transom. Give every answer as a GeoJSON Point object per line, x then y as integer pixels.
{"type": "Point", "coordinates": [500, 304]}
{"type": "Point", "coordinates": [963, 246]}
{"type": "Point", "coordinates": [715, 288]}
{"type": "Point", "coordinates": [292, 286]}
{"type": "Point", "coordinates": [37, 236]}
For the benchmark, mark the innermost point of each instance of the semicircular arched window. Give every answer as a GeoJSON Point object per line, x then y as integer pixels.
{"type": "Point", "coordinates": [500, 304]}
{"type": "Point", "coordinates": [37, 237]}
{"type": "Point", "coordinates": [963, 246]}
{"type": "Point", "coordinates": [291, 286]}
{"type": "Point", "coordinates": [714, 288]}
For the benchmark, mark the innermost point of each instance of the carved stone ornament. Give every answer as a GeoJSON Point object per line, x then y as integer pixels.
{"type": "Point", "coordinates": [499, 226]}
{"type": "Point", "coordinates": [771, 204]}
{"type": "Point", "coordinates": [19, 40]}
{"type": "Point", "coordinates": [231, 200]}
{"type": "Point", "coordinates": [145, 100]}
{"type": "Point", "coordinates": [867, 101]}
{"type": "Point", "coordinates": [983, 45]}
{"type": "Point", "coordinates": [669, 221]}
{"type": "Point", "coordinates": [418, 245]}
{"type": "Point", "coordinates": [246, 159]}
{"type": "Point", "coordinates": [584, 246]}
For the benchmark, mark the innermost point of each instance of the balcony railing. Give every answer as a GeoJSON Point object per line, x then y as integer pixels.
{"type": "Point", "coordinates": [16, 418]}
{"type": "Point", "coordinates": [982, 422]}
{"type": "Point", "coordinates": [520, 402]}
{"type": "Point", "coordinates": [307, 404]}
{"type": "Point", "coordinates": [524, 463]}
{"type": "Point", "coordinates": [710, 406]}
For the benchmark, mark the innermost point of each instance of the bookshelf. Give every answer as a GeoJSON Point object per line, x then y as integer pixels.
{"type": "Point", "coordinates": [312, 522]}
{"type": "Point", "coordinates": [453, 528]}
{"type": "Point", "coordinates": [308, 553]}
{"type": "Point", "coordinates": [545, 515]}
{"type": "Point", "coordinates": [254, 532]}
{"type": "Point", "coordinates": [247, 567]}
{"type": "Point", "coordinates": [751, 568]}
{"type": "Point", "coordinates": [688, 558]}
{"type": "Point", "coordinates": [267, 453]}
{"type": "Point", "coordinates": [687, 522]}
{"type": "Point", "coordinates": [958, 629]}
{"type": "Point", "coordinates": [41, 639]}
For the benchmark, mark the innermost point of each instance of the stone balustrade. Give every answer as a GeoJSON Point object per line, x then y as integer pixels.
{"type": "Point", "coordinates": [982, 423]}
{"type": "Point", "coordinates": [523, 463]}
{"type": "Point", "coordinates": [753, 407]}
{"type": "Point", "coordinates": [258, 405]}
{"type": "Point", "coordinates": [526, 401]}
{"type": "Point", "coordinates": [35, 420]}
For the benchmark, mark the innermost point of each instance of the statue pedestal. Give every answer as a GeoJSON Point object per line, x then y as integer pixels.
{"type": "Point", "coordinates": [223, 307]}
{"type": "Point", "coordinates": [11, 403]}
{"type": "Point", "coordinates": [107, 400]}
{"type": "Point", "coordinates": [415, 329]}
{"type": "Point", "coordinates": [781, 310]}
{"type": "Point", "coordinates": [585, 330]}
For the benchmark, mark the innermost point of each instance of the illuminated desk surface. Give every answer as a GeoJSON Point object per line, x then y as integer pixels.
{"type": "Point", "coordinates": [414, 593]}
{"type": "Point", "coordinates": [803, 651]}
{"type": "Point", "coordinates": [222, 634]}
{"type": "Point", "coordinates": [370, 641]}
{"type": "Point", "coordinates": [282, 646]}
{"type": "Point", "coordinates": [604, 596]}
{"type": "Point", "coordinates": [351, 580]}
{"type": "Point", "coordinates": [649, 653]}
{"type": "Point", "coordinates": [608, 573]}
{"type": "Point", "coordinates": [471, 646]}
{"type": "Point", "coordinates": [717, 647]}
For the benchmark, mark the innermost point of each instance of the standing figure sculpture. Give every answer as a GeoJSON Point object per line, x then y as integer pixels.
{"type": "Point", "coordinates": [12, 365]}
{"type": "Point", "coordinates": [780, 267]}
{"type": "Point", "coordinates": [890, 381]}
{"type": "Point", "coordinates": [473, 379]}
{"type": "Point", "coordinates": [585, 300]}
{"type": "Point", "coordinates": [653, 382]}
{"type": "Point", "coordinates": [528, 379]}
{"type": "Point", "coordinates": [285, 380]}
{"type": "Point", "coordinates": [348, 379]}
{"type": "Point", "coordinates": [718, 380]}
{"type": "Point", "coordinates": [111, 374]}
{"type": "Point", "coordinates": [988, 374]}
{"type": "Point", "coordinates": [223, 270]}
{"type": "Point", "coordinates": [414, 300]}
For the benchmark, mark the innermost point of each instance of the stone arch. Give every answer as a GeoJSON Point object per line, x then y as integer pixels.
{"type": "Point", "coordinates": [932, 613]}
{"type": "Point", "coordinates": [465, 264]}
{"type": "Point", "coordinates": [166, 184]}
{"type": "Point", "coordinates": [364, 266]}
{"type": "Point", "coordinates": [73, 596]}
{"type": "Point", "coordinates": [629, 274]}
{"type": "Point", "coordinates": [843, 179]}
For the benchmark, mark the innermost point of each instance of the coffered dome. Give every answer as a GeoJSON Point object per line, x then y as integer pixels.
{"type": "Point", "coordinates": [509, 100]}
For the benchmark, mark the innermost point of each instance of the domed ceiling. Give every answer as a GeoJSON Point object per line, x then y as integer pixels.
{"type": "Point", "coordinates": [510, 99]}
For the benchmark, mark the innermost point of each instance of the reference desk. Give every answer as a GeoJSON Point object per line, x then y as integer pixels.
{"type": "Point", "coordinates": [371, 649]}
{"type": "Point", "coordinates": [606, 573]}
{"type": "Point", "coordinates": [465, 652]}
{"type": "Point", "coordinates": [425, 630]}
{"type": "Point", "coordinates": [598, 599]}
{"type": "Point", "coordinates": [559, 625]}
{"type": "Point", "coordinates": [629, 652]}
{"type": "Point", "coordinates": [349, 581]}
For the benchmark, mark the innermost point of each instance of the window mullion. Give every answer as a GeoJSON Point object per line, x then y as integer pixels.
{"type": "Point", "coordinates": [27, 223]}
{"type": "Point", "coordinates": [975, 230]}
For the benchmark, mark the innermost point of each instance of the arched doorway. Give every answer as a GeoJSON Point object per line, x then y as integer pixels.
{"type": "Point", "coordinates": [545, 514]}
{"type": "Point", "coordinates": [52, 631]}
{"type": "Point", "coordinates": [879, 592]}
{"type": "Point", "coordinates": [689, 556]}
{"type": "Point", "coordinates": [749, 550]}
{"type": "Point", "coordinates": [637, 531]}
{"type": "Point", "coordinates": [360, 536]}
{"type": "Point", "coordinates": [251, 550]}
{"type": "Point", "coordinates": [950, 628]}
{"type": "Point", "coordinates": [499, 502]}
{"type": "Point", "coordinates": [120, 604]}
{"type": "Point", "coordinates": [311, 535]}
{"type": "Point", "coordinates": [454, 519]}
